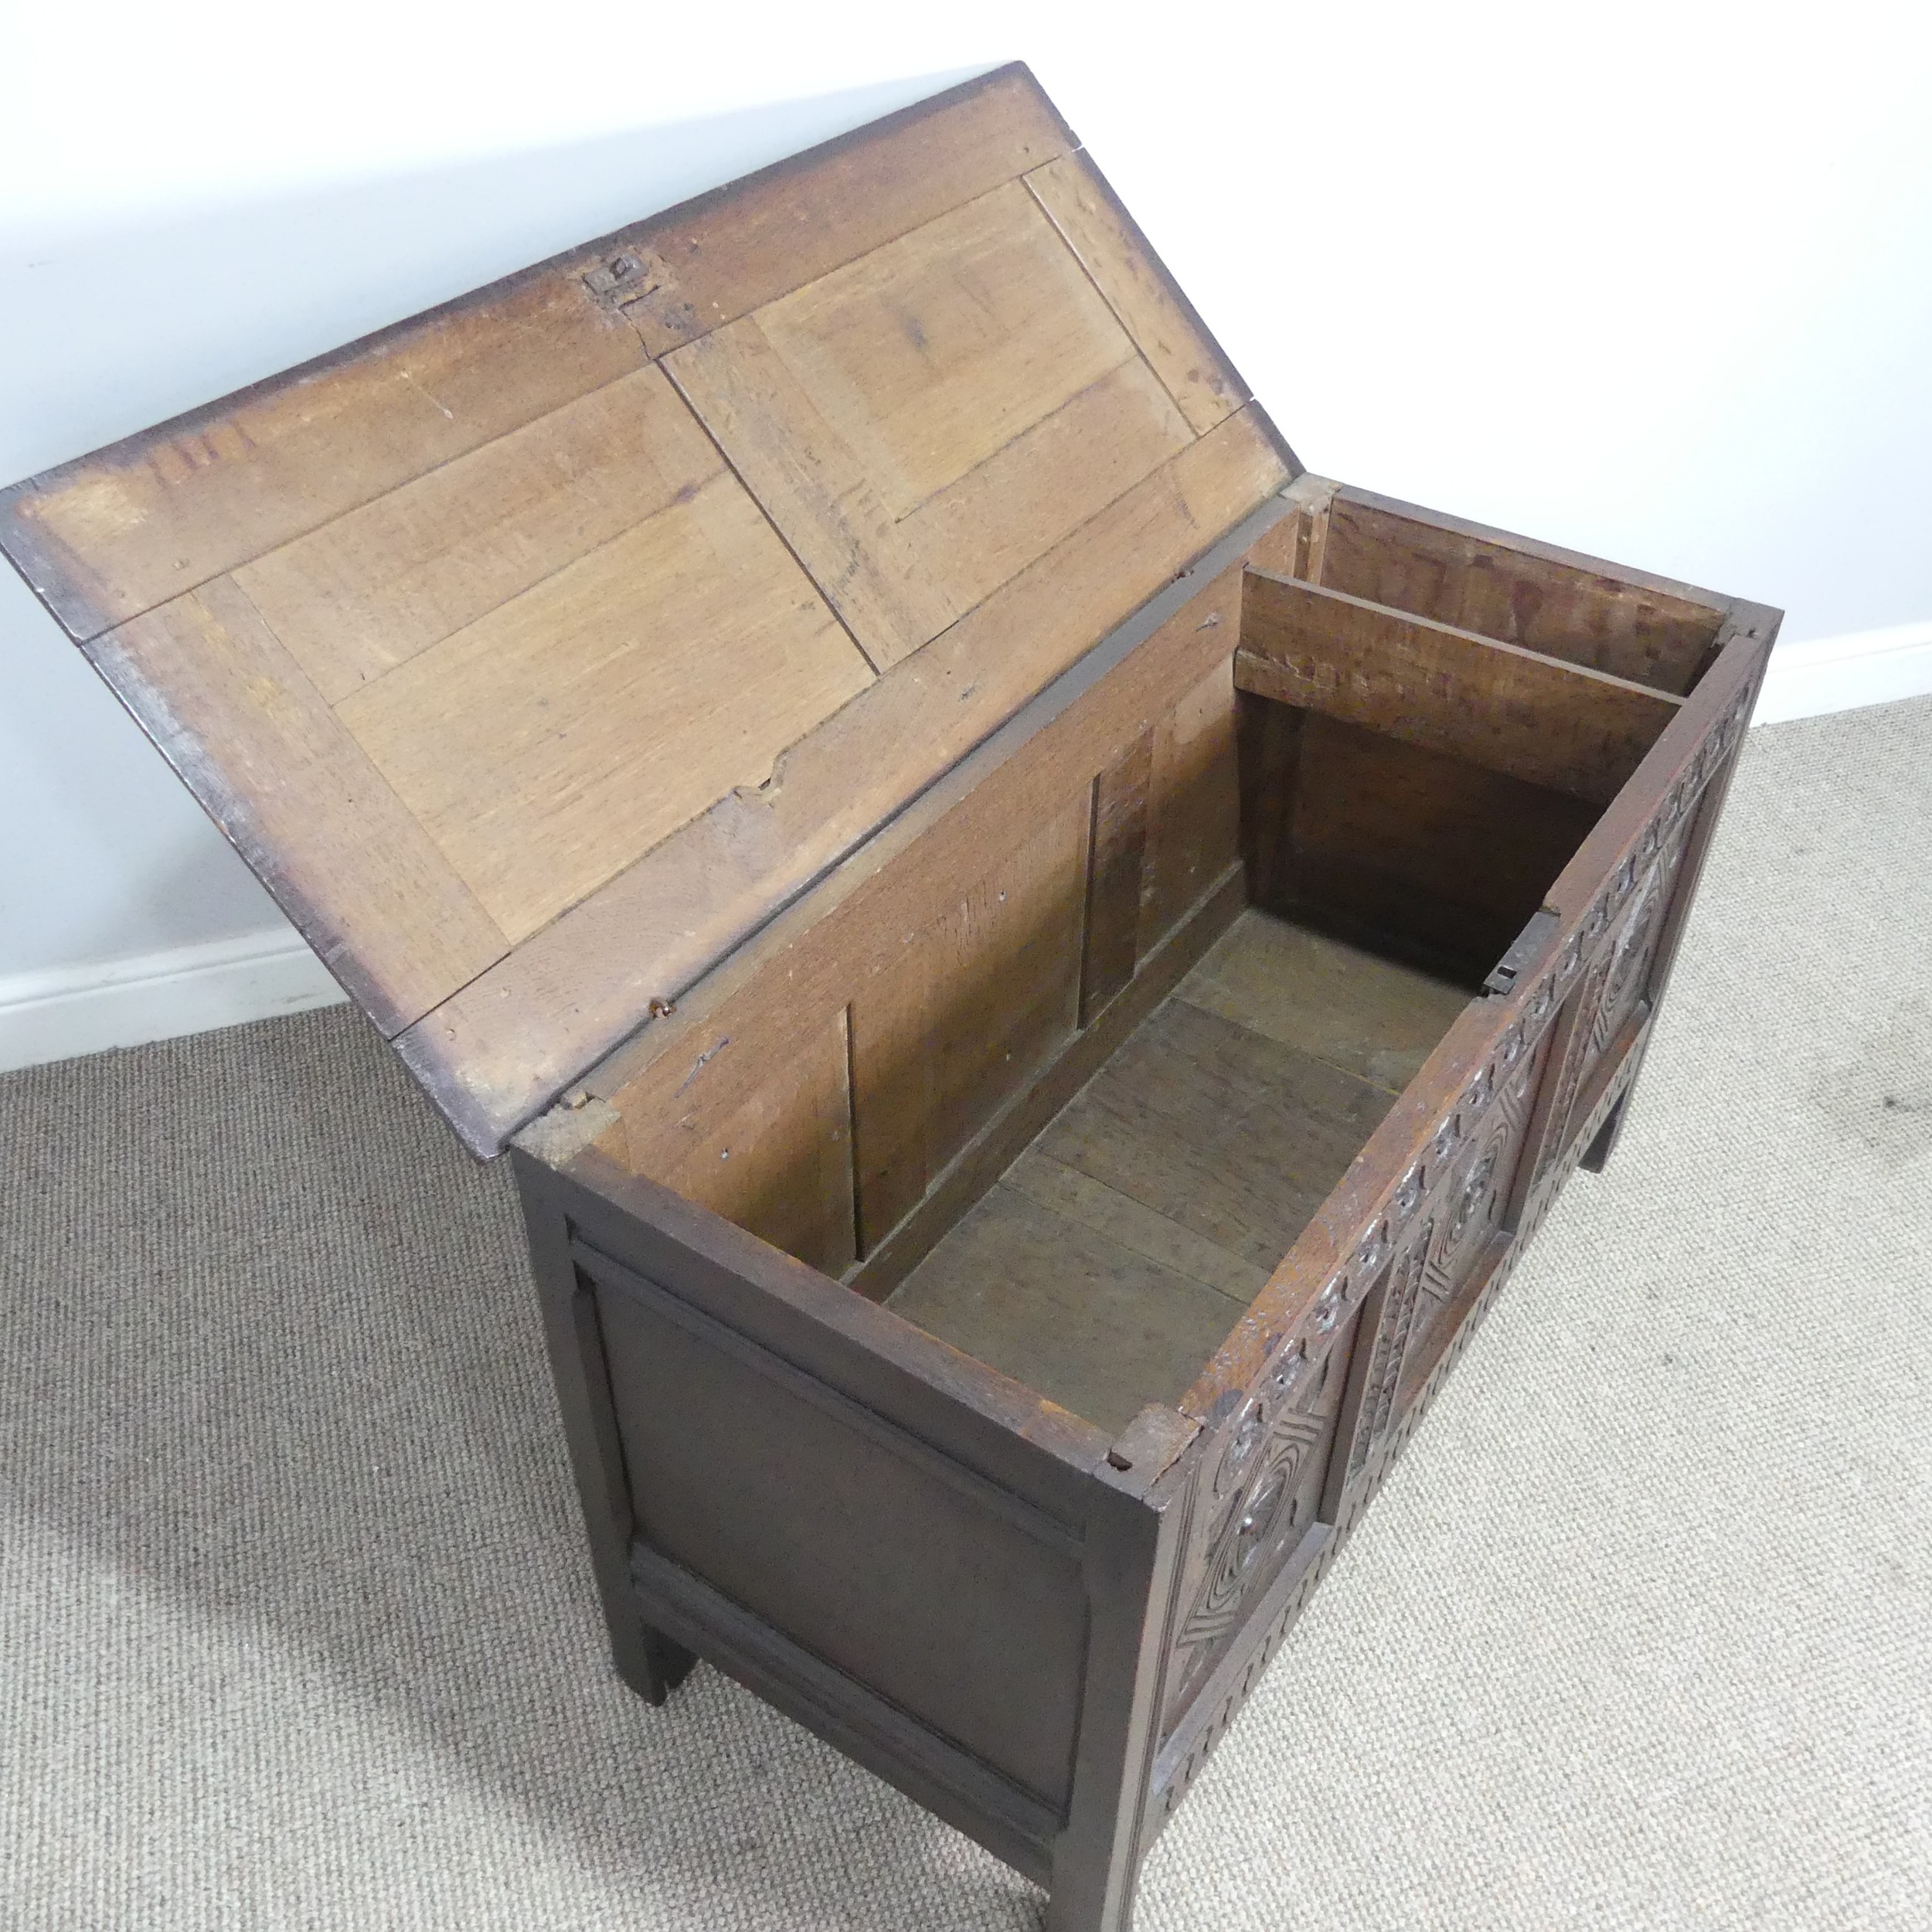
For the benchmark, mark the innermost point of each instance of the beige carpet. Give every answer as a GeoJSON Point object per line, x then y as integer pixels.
{"type": "Point", "coordinates": [295, 1631]}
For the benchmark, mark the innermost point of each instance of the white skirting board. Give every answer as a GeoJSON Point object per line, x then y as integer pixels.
{"type": "Point", "coordinates": [56, 1014]}
{"type": "Point", "coordinates": [1838, 674]}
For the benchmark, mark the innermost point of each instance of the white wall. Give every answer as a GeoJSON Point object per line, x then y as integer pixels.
{"type": "Point", "coordinates": [1652, 280]}
{"type": "Point", "coordinates": [123, 301]}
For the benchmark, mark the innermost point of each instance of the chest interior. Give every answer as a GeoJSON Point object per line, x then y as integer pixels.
{"type": "Point", "coordinates": [1061, 1071]}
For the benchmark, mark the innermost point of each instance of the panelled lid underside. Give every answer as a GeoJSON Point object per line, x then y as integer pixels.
{"type": "Point", "coordinates": [537, 650]}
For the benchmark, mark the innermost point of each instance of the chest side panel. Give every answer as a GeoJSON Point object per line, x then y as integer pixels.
{"type": "Point", "coordinates": [905, 1574]}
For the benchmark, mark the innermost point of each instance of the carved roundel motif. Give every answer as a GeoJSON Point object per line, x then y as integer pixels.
{"type": "Point", "coordinates": [1249, 1530]}
{"type": "Point", "coordinates": [1630, 943]}
{"type": "Point", "coordinates": [1334, 1299]}
{"type": "Point", "coordinates": [1370, 1256]}
{"type": "Point", "coordinates": [1474, 1200]}
{"type": "Point", "coordinates": [1290, 1368]}
{"type": "Point", "coordinates": [1252, 1431]}
{"type": "Point", "coordinates": [1516, 1096]}
{"type": "Point", "coordinates": [1249, 1433]}
{"type": "Point", "coordinates": [1408, 1195]}
{"type": "Point", "coordinates": [1257, 1519]}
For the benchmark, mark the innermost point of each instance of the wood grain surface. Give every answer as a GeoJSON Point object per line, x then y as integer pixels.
{"type": "Point", "coordinates": [344, 856]}
{"type": "Point", "coordinates": [1127, 272]}
{"type": "Point", "coordinates": [1516, 711]}
{"type": "Point", "coordinates": [628, 707]}
{"type": "Point", "coordinates": [1224, 1130]}
{"type": "Point", "coordinates": [927, 421]}
{"type": "Point", "coordinates": [1646, 629]}
{"type": "Point", "coordinates": [779, 1164]}
{"type": "Point", "coordinates": [1709, 721]}
{"type": "Point", "coordinates": [116, 534]}
{"type": "Point", "coordinates": [965, 1012]}
{"type": "Point", "coordinates": [1110, 1260]}
{"type": "Point", "coordinates": [854, 924]}
{"type": "Point", "coordinates": [1116, 864]}
{"type": "Point", "coordinates": [1372, 1017]}
{"type": "Point", "coordinates": [1091, 1321]}
{"type": "Point", "coordinates": [1193, 806]}
{"type": "Point", "coordinates": [712, 259]}
{"type": "Point", "coordinates": [551, 743]}
{"type": "Point", "coordinates": [498, 1050]}
{"type": "Point", "coordinates": [1429, 857]}
{"type": "Point", "coordinates": [955, 944]}
{"type": "Point", "coordinates": [1006, 1136]}
{"type": "Point", "coordinates": [370, 589]}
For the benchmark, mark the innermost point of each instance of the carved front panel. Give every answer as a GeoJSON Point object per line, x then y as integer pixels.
{"type": "Point", "coordinates": [1439, 1263]}
{"type": "Point", "coordinates": [1614, 990]}
{"type": "Point", "coordinates": [1471, 1217]}
{"type": "Point", "coordinates": [1436, 1245]}
{"type": "Point", "coordinates": [1260, 1501]}
{"type": "Point", "coordinates": [1623, 966]}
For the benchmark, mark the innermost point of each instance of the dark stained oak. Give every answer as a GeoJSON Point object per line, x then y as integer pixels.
{"type": "Point", "coordinates": [1417, 853]}
{"type": "Point", "coordinates": [1230, 1133]}
{"type": "Point", "coordinates": [1107, 1263]}
{"type": "Point", "coordinates": [1646, 629]}
{"type": "Point", "coordinates": [1512, 710]}
{"type": "Point", "coordinates": [1095, 1323]}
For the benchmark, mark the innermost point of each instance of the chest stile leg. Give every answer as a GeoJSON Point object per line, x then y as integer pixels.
{"type": "Point", "coordinates": [1136, 1536]}
{"type": "Point", "coordinates": [647, 1660]}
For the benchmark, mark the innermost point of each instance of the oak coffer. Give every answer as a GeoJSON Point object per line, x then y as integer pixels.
{"type": "Point", "coordinates": [1036, 964]}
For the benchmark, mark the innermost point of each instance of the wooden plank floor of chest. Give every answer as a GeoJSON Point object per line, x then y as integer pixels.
{"type": "Point", "coordinates": [1038, 963]}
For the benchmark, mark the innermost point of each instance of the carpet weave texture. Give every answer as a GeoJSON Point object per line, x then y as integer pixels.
{"type": "Point", "coordinates": [296, 1630]}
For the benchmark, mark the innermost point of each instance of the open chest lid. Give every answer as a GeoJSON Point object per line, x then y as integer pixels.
{"type": "Point", "coordinates": [538, 650]}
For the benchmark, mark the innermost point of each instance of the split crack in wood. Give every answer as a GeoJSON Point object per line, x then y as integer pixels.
{"type": "Point", "coordinates": [698, 1065]}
